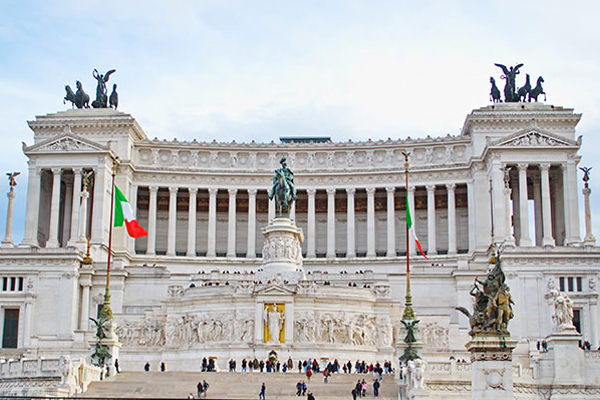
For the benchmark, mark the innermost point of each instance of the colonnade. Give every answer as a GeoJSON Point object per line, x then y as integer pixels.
{"type": "Point", "coordinates": [393, 202]}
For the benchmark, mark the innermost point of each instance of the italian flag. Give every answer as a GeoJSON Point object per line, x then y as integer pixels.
{"type": "Point", "coordinates": [124, 213]}
{"type": "Point", "coordinates": [412, 229]}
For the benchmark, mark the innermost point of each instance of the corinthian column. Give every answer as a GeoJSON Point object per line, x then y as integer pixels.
{"type": "Point", "coordinates": [451, 218]}
{"type": "Point", "coordinates": [391, 222]}
{"type": "Point", "coordinates": [350, 226]}
{"type": "Point", "coordinates": [311, 224]}
{"type": "Point", "coordinates": [431, 220]}
{"type": "Point", "coordinates": [172, 231]}
{"type": "Point", "coordinates": [191, 242]}
{"type": "Point", "coordinates": [547, 240]}
{"type": "Point", "coordinates": [151, 249]}
{"type": "Point", "coordinates": [510, 238]}
{"type": "Point", "coordinates": [525, 239]}
{"type": "Point", "coordinates": [212, 223]}
{"type": "Point", "coordinates": [251, 247]}
{"type": "Point", "coordinates": [75, 207]}
{"type": "Point", "coordinates": [589, 240]}
{"type": "Point", "coordinates": [8, 242]}
{"type": "Point", "coordinates": [33, 207]}
{"type": "Point", "coordinates": [231, 226]}
{"type": "Point", "coordinates": [54, 208]}
{"type": "Point", "coordinates": [331, 223]}
{"type": "Point", "coordinates": [371, 222]}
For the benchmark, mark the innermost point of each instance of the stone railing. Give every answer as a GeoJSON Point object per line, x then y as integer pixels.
{"type": "Point", "coordinates": [449, 368]}
{"type": "Point", "coordinates": [46, 377]}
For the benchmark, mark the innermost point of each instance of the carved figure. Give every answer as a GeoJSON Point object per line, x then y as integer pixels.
{"type": "Point", "coordinates": [492, 308]}
{"type": "Point", "coordinates": [586, 174]}
{"type": "Point", "coordinates": [274, 321]}
{"type": "Point", "coordinates": [101, 93]}
{"type": "Point", "coordinates": [510, 74]}
{"type": "Point", "coordinates": [11, 179]}
{"type": "Point", "coordinates": [563, 311]}
{"type": "Point", "coordinates": [495, 92]}
{"type": "Point", "coordinates": [415, 369]}
{"type": "Point", "coordinates": [411, 331]}
{"type": "Point", "coordinates": [537, 90]}
{"type": "Point", "coordinates": [525, 90]}
{"type": "Point", "coordinates": [283, 189]}
{"type": "Point", "coordinates": [113, 100]}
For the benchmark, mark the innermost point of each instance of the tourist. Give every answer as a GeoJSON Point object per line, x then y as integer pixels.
{"type": "Point", "coordinates": [349, 366]}
{"type": "Point", "coordinates": [363, 386]}
{"type": "Point", "coordinates": [310, 396]}
{"type": "Point", "coordinates": [200, 389]}
{"type": "Point", "coordinates": [205, 386]}
{"type": "Point", "coordinates": [299, 366]}
{"type": "Point", "coordinates": [308, 374]}
{"type": "Point", "coordinates": [298, 388]}
{"type": "Point", "coordinates": [117, 366]}
{"type": "Point", "coordinates": [204, 364]}
{"type": "Point", "coordinates": [163, 366]}
{"type": "Point", "coordinates": [191, 396]}
{"type": "Point", "coordinates": [325, 375]}
{"type": "Point", "coordinates": [261, 365]}
{"type": "Point", "coordinates": [244, 364]}
{"type": "Point", "coordinates": [262, 393]}
{"type": "Point", "coordinates": [358, 388]}
{"type": "Point", "coordinates": [376, 386]}
{"type": "Point", "coordinates": [284, 368]}
{"type": "Point", "coordinates": [147, 366]}
{"type": "Point", "coordinates": [303, 388]}
{"type": "Point", "coordinates": [354, 393]}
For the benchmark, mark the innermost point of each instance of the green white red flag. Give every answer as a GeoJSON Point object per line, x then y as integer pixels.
{"type": "Point", "coordinates": [411, 228]}
{"type": "Point", "coordinates": [124, 214]}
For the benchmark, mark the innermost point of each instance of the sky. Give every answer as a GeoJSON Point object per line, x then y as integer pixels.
{"type": "Point", "coordinates": [258, 70]}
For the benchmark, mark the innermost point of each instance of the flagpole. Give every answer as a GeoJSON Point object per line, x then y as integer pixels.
{"type": "Point", "coordinates": [409, 313]}
{"type": "Point", "coordinates": [106, 311]}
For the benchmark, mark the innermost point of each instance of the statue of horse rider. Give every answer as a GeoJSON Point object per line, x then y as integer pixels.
{"type": "Point", "coordinates": [283, 189]}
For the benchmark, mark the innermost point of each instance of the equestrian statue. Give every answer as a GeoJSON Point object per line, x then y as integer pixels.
{"type": "Point", "coordinates": [284, 190]}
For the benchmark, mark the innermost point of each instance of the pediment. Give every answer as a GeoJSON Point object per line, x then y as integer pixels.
{"type": "Point", "coordinates": [533, 137]}
{"type": "Point", "coordinates": [275, 289]}
{"type": "Point", "coordinates": [67, 142]}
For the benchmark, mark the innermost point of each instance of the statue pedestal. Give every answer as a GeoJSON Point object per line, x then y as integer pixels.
{"type": "Point", "coordinates": [282, 254]}
{"type": "Point", "coordinates": [112, 342]}
{"type": "Point", "coordinates": [491, 366]}
{"type": "Point", "coordinates": [564, 361]}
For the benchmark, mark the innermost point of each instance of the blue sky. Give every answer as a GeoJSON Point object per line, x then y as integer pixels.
{"type": "Point", "coordinates": [240, 70]}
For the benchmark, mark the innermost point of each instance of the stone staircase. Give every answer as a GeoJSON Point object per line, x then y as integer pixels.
{"type": "Point", "coordinates": [234, 385]}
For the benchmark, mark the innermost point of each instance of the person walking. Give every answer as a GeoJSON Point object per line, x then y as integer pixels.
{"type": "Point", "coordinates": [205, 386]}
{"type": "Point", "coordinates": [310, 396]}
{"type": "Point", "coordinates": [298, 388]}
{"type": "Point", "coordinates": [376, 386]}
{"type": "Point", "coordinates": [308, 374]}
{"type": "Point", "coordinates": [263, 390]}
{"type": "Point", "coordinates": [354, 393]}
{"type": "Point", "coordinates": [199, 389]}
{"type": "Point", "coordinates": [358, 388]}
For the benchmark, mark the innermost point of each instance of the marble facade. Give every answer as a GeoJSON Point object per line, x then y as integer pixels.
{"type": "Point", "coordinates": [193, 288]}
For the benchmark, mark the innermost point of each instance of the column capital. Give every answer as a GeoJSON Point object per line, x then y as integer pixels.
{"type": "Point", "coordinates": [330, 192]}
{"type": "Point", "coordinates": [430, 188]}
{"type": "Point", "coordinates": [212, 191]}
{"type": "Point", "coordinates": [390, 189]}
{"type": "Point", "coordinates": [350, 191]}
{"type": "Point", "coordinates": [544, 166]}
{"type": "Point", "coordinates": [370, 191]}
{"type": "Point", "coordinates": [450, 186]}
{"type": "Point", "coordinates": [310, 192]}
{"type": "Point", "coordinates": [193, 190]}
{"type": "Point", "coordinates": [173, 190]}
{"type": "Point", "coordinates": [232, 192]}
{"type": "Point", "coordinates": [11, 194]}
{"type": "Point", "coordinates": [252, 192]}
{"type": "Point", "coordinates": [563, 166]}
{"type": "Point", "coordinates": [522, 167]}
{"type": "Point", "coordinates": [153, 189]}
{"type": "Point", "coordinates": [57, 171]}
{"type": "Point", "coordinates": [411, 190]}
{"type": "Point", "coordinates": [78, 171]}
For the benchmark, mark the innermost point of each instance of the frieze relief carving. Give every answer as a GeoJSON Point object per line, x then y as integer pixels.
{"type": "Point", "coordinates": [434, 335]}
{"type": "Point", "coordinates": [343, 328]}
{"type": "Point", "coordinates": [282, 247]}
{"type": "Point", "coordinates": [146, 333]}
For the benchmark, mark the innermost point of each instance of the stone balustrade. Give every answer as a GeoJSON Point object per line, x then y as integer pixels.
{"type": "Point", "coordinates": [46, 376]}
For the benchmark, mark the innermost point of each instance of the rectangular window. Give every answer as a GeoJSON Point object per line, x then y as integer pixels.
{"type": "Point", "coordinates": [4, 284]}
{"type": "Point", "coordinates": [577, 320]}
{"type": "Point", "coordinates": [579, 284]}
{"type": "Point", "coordinates": [13, 284]}
{"type": "Point", "coordinates": [561, 283]}
{"type": "Point", "coordinates": [20, 284]}
{"type": "Point", "coordinates": [10, 333]}
{"type": "Point", "coordinates": [570, 283]}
